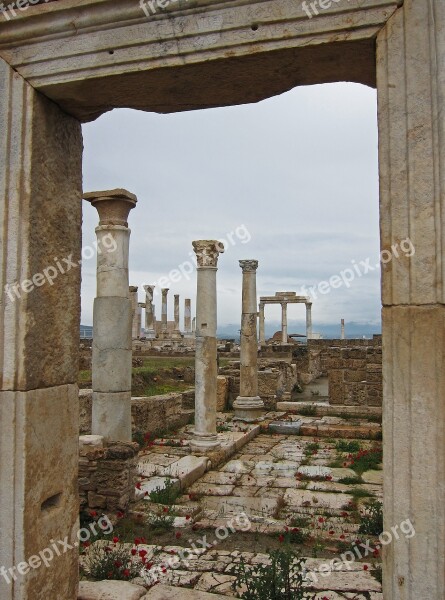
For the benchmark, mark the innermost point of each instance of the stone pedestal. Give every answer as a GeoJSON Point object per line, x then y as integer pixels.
{"type": "Point", "coordinates": [248, 405]}
{"type": "Point", "coordinates": [308, 320]}
{"type": "Point", "coordinates": [112, 319]}
{"type": "Point", "coordinates": [149, 312]}
{"type": "Point", "coordinates": [206, 371]}
{"type": "Point", "coordinates": [342, 332]}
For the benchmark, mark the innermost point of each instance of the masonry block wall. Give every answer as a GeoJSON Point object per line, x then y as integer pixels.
{"type": "Point", "coordinates": [354, 369]}
{"type": "Point", "coordinates": [107, 474]}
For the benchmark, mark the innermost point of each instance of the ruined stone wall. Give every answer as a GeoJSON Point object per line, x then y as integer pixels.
{"type": "Point", "coordinates": [327, 349]}
{"type": "Point", "coordinates": [354, 369]}
{"type": "Point", "coordinates": [276, 378]}
{"type": "Point", "coordinates": [107, 474]}
{"type": "Point", "coordinates": [153, 414]}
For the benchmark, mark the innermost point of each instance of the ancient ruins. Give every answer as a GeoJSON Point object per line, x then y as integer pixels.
{"type": "Point", "coordinates": [304, 465]}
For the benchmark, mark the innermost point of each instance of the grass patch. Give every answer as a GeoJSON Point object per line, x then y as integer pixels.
{"type": "Point", "coordinates": [348, 446]}
{"type": "Point", "coordinates": [350, 480]}
{"type": "Point", "coordinates": [167, 495]}
{"type": "Point", "coordinates": [366, 460]}
{"type": "Point", "coordinates": [372, 519]}
{"type": "Point", "coordinates": [360, 493]}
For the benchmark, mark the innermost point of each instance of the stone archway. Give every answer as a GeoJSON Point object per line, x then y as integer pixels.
{"type": "Point", "coordinates": [71, 60]}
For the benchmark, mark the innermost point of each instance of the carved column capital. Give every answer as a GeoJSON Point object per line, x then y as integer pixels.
{"type": "Point", "coordinates": [248, 266]}
{"type": "Point", "coordinates": [207, 252]}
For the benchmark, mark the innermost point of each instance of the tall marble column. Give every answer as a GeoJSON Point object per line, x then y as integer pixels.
{"type": "Point", "coordinates": [342, 334]}
{"type": "Point", "coordinates": [141, 305]}
{"type": "Point", "coordinates": [308, 320]}
{"type": "Point", "coordinates": [112, 319]}
{"type": "Point", "coordinates": [187, 316]}
{"type": "Point", "coordinates": [206, 371]}
{"type": "Point", "coordinates": [262, 325]}
{"type": "Point", "coordinates": [176, 307]}
{"type": "Point", "coordinates": [284, 322]}
{"type": "Point", "coordinates": [249, 406]}
{"type": "Point", "coordinates": [133, 295]}
{"type": "Point", "coordinates": [164, 312]}
{"type": "Point", "coordinates": [149, 312]}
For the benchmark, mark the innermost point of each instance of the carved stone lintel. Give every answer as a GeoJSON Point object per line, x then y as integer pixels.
{"type": "Point", "coordinates": [207, 252]}
{"type": "Point", "coordinates": [248, 266]}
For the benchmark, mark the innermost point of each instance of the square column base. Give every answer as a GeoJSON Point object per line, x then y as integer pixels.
{"type": "Point", "coordinates": [248, 409]}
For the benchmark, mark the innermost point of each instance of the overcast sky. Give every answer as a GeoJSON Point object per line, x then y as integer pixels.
{"type": "Point", "coordinates": [294, 179]}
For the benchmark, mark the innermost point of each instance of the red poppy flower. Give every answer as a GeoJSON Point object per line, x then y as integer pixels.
{"type": "Point", "coordinates": [142, 553]}
{"type": "Point", "coordinates": [365, 567]}
{"type": "Point", "coordinates": [119, 514]}
{"type": "Point", "coordinates": [178, 534]}
{"type": "Point", "coordinates": [342, 537]}
{"type": "Point", "coordinates": [281, 537]}
{"type": "Point", "coordinates": [118, 564]}
{"type": "Point", "coordinates": [93, 513]}
{"type": "Point", "coordinates": [115, 540]}
{"type": "Point", "coordinates": [126, 573]}
{"type": "Point", "coordinates": [133, 552]}
{"type": "Point", "coordinates": [138, 485]}
{"type": "Point", "coordinates": [187, 518]}
{"type": "Point", "coordinates": [320, 520]}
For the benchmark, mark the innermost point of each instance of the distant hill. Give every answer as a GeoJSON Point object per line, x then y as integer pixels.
{"type": "Point", "coordinates": [353, 330]}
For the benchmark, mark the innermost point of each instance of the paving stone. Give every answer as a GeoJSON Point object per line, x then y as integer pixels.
{"type": "Point", "coordinates": [238, 466]}
{"type": "Point", "coordinates": [375, 477]}
{"type": "Point", "coordinates": [248, 490]}
{"type": "Point", "coordinates": [298, 498]}
{"type": "Point", "coordinates": [208, 489]}
{"type": "Point", "coordinates": [341, 473]}
{"type": "Point", "coordinates": [220, 478]}
{"type": "Point", "coordinates": [215, 583]}
{"type": "Point", "coordinates": [233, 505]}
{"type": "Point", "coordinates": [268, 492]}
{"type": "Point", "coordinates": [156, 482]}
{"type": "Point", "coordinates": [328, 486]}
{"type": "Point", "coordinates": [285, 482]}
{"type": "Point", "coordinates": [110, 590]}
{"type": "Point", "coordinates": [314, 471]}
{"type": "Point", "coordinates": [345, 581]}
{"type": "Point", "coordinates": [166, 592]}
{"type": "Point", "coordinates": [258, 480]}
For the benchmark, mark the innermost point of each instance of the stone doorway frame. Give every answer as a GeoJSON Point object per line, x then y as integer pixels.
{"type": "Point", "coordinates": [70, 61]}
